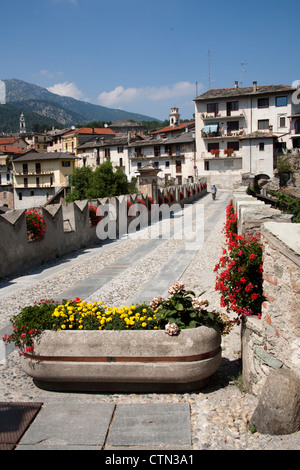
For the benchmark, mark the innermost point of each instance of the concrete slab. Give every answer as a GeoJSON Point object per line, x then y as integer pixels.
{"type": "Point", "coordinates": [161, 281]}
{"type": "Point", "coordinates": [61, 425]}
{"type": "Point", "coordinates": [150, 425]}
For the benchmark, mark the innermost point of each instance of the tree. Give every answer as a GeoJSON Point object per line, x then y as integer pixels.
{"type": "Point", "coordinates": [103, 182]}
{"type": "Point", "coordinates": [80, 181]}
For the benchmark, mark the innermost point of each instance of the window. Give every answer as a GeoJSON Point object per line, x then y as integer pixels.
{"type": "Point", "coordinates": [120, 149]}
{"type": "Point", "coordinates": [38, 167]}
{"type": "Point", "coordinates": [212, 147]}
{"type": "Point", "coordinates": [213, 108]}
{"type": "Point", "coordinates": [263, 124]}
{"type": "Point", "coordinates": [25, 168]}
{"type": "Point", "coordinates": [38, 181]}
{"type": "Point", "coordinates": [281, 100]}
{"type": "Point", "coordinates": [167, 164]}
{"type": "Point", "coordinates": [5, 195]}
{"type": "Point", "coordinates": [20, 196]}
{"type": "Point", "coordinates": [261, 146]}
{"type": "Point", "coordinates": [178, 166]}
{"type": "Point", "coordinates": [263, 102]}
{"type": "Point", "coordinates": [282, 121]}
{"type": "Point", "coordinates": [8, 177]}
{"type": "Point", "coordinates": [157, 150]}
{"type": "Point", "coordinates": [66, 163]}
{"type": "Point", "coordinates": [232, 126]}
{"type": "Point", "coordinates": [232, 106]}
{"type": "Point", "coordinates": [107, 153]}
{"type": "Point", "coordinates": [233, 145]}
{"type": "Point", "coordinates": [120, 161]}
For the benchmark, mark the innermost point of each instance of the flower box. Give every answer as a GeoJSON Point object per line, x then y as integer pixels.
{"type": "Point", "coordinates": [172, 344]}
{"type": "Point", "coordinates": [125, 360]}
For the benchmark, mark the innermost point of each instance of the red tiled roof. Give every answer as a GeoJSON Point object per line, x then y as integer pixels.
{"type": "Point", "coordinates": [92, 131]}
{"type": "Point", "coordinates": [172, 128]}
{"type": "Point", "coordinates": [10, 149]}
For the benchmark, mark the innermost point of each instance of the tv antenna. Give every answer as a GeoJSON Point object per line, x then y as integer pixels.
{"type": "Point", "coordinates": [209, 76]}
{"type": "Point", "coordinates": [242, 71]}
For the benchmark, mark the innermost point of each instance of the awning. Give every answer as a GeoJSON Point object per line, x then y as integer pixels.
{"type": "Point", "coordinates": [210, 128]}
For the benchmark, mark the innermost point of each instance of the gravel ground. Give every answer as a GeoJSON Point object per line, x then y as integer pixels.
{"type": "Point", "coordinates": [221, 412]}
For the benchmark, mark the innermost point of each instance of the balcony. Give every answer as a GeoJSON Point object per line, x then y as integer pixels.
{"type": "Point", "coordinates": [33, 173]}
{"type": "Point", "coordinates": [224, 153]}
{"type": "Point", "coordinates": [223, 115]}
{"type": "Point", "coordinates": [209, 132]}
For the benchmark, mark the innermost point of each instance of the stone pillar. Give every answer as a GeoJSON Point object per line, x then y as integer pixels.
{"type": "Point", "coordinates": [148, 181]}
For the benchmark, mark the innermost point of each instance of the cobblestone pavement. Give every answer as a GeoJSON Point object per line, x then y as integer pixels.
{"type": "Point", "coordinates": [220, 413]}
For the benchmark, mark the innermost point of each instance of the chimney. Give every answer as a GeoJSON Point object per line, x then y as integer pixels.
{"type": "Point", "coordinates": [236, 84]}
{"type": "Point", "coordinates": [254, 86]}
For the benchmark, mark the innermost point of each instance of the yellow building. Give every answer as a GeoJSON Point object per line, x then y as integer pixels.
{"type": "Point", "coordinates": [71, 140]}
{"type": "Point", "coordinates": [37, 177]}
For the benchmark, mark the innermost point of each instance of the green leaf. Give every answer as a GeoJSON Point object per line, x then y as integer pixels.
{"type": "Point", "coordinates": [179, 306]}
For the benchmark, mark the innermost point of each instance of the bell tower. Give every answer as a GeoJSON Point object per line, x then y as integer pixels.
{"type": "Point", "coordinates": [174, 117]}
{"type": "Point", "coordinates": [22, 124]}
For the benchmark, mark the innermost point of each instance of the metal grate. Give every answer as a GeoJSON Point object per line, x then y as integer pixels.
{"type": "Point", "coordinates": [15, 418]}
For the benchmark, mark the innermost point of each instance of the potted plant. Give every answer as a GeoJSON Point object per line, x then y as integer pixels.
{"type": "Point", "coordinates": [168, 344]}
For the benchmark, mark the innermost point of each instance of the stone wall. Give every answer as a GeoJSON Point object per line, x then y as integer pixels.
{"type": "Point", "coordinates": [68, 228]}
{"type": "Point", "coordinates": [272, 342]}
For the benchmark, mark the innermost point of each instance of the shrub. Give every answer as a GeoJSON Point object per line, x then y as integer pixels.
{"type": "Point", "coordinates": [94, 218]}
{"type": "Point", "coordinates": [240, 271]}
{"type": "Point", "coordinates": [36, 225]}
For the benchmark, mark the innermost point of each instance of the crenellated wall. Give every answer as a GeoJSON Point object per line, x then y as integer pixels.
{"type": "Point", "coordinates": [272, 342]}
{"type": "Point", "coordinates": [68, 229]}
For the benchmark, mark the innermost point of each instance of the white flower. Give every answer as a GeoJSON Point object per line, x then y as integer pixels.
{"type": "Point", "coordinates": [171, 329]}
{"type": "Point", "coordinates": [155, 302]}
{"type": "Point", "coordinates": [199, 304]}
{"type": "Point", "coordinates": [176, 287]}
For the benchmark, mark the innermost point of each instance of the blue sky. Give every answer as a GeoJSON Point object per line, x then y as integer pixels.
{"type": "Point", "coordinates": [148, 56]}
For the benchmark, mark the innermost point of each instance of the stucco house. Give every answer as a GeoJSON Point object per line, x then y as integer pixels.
{"type": "Point", "coordinates": [37, 177]}
{"type": "Point", "coordinates": [240, 130]}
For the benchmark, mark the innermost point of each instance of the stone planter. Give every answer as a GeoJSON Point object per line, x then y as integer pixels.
{"type": "Point", "coordinates": [123, 361]}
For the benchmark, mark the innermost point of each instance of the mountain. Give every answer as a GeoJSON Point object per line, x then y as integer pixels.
{"type": "Point", "coordinates": [10, 116]}
{"type": "Point", "coordinates": [65, 110]}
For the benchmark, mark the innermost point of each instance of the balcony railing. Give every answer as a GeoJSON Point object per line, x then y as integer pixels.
{"type": "Point", "coordinates": [223, 133]}
{"type": "Point", "coordinates": [225, 153]}
{"type": "Point", "coordinates": [239, 114]}
{"type": "Point", "coordinates": [33, 172]}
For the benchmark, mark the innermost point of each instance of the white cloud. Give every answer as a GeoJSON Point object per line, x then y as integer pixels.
{"type": "Point", "coordinates": [66, 89]}
{"type": "Point", "coordinates": [121, 95]}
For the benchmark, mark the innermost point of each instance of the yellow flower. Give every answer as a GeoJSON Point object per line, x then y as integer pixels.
{"type": "Point", "coordinates": [63, 327]}
{"type": "Point", "coordinates": [144, 310]}
{"type": "Point", "coordinates": [144, 324]}
{"type": "Point", "coordinates": [80, 327]}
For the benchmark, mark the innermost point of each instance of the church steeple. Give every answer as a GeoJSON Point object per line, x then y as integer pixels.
{"type": "Point", "coordinates": [174, 117]}
{"type": "Point", "coordinates": [22, 124]}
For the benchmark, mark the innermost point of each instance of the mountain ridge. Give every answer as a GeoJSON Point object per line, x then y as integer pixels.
{"type": "Point", "coordinates": [70, 111]}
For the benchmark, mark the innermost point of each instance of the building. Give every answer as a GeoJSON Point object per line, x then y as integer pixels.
{"type": "Point", "coordinates": [72, 139]}
{"type": "Point", "coordinates": [171, 150]}
{"type": "Point", "coordinates": [240, 130]}
{"type": "Point", "coordinates": [174, 156]}
{"type": "Point", "coordinates": [38, 177]}
{"type": "Point", "coordinates": [122, 128]}
{"type": "Point", "coordinates": [6, 187]}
